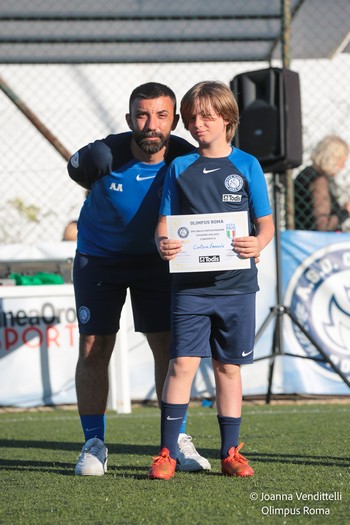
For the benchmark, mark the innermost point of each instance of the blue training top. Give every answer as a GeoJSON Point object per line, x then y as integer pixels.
{"type": "Point", "coordinates": [196, 184]}
{"type": "Point", "coordinates": [121, 211]}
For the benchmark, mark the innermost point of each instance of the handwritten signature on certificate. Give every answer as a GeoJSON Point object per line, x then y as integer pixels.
{"type": "Point", "coordinates": [207, 241]}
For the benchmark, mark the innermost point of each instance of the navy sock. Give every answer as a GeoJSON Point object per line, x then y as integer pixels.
{"type": "Point", "coordinates": [94, 426]}
{"type": "Point", "coordinates": [229, 430]}
{"type": "Point", "coordinates": [183, 426]}
{"type": "Point", "coordinates": [172, 416]}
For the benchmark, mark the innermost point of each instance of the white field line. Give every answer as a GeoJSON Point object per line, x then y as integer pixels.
{"type": "Point", "coordinates": [294, 411]}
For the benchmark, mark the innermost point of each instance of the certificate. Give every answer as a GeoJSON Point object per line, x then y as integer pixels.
{"type": "Point", "coordinates": [207, 241]}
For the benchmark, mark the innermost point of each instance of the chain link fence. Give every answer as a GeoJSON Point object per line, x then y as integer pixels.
{"type": "Point", "coordinates": [79, 103]}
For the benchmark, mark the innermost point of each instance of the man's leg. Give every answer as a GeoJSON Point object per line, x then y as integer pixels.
{"type": "Point", "coordinates": [159, 343]}
{"type": "Point", "coordinates": [100, 291]}
{"type": "Point", "coordinates": [92, 373]}
{"type": "Point", "coordinates": [92, 394]}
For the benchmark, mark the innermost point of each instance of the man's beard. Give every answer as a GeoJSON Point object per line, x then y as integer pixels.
{"type": "Point", "coordinates": [141, 139]}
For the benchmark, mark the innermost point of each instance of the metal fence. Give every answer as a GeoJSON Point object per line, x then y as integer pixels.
{"type": "Point", "coordinates": [54, 93]}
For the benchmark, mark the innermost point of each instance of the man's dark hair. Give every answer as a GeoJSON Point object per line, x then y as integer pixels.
{"type": "Point", "coordinates": [152, 90]}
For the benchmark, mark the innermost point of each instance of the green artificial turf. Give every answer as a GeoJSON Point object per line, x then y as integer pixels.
{"type": "Point", "coordinates": [300, 454]}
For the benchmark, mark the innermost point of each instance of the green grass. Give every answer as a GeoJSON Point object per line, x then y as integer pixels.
{"type": "Point", "coordinates": [293, 450]}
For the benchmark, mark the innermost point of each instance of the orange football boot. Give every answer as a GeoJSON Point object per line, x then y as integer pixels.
{"type": "Point", "coordinates": [163, 466]}
{"type": "Point", "coordinates": [236, 464]}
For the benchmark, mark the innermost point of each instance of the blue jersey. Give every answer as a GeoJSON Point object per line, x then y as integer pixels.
{"type": "Point", "coordinates": [121, 211]}
{"type": "Point", "coordinates": [196, 184]}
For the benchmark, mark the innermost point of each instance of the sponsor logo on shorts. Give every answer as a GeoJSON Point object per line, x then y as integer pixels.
{"type": "Point", "coordinates": [319, 296]}
{"type": "Point", "coordinates": [244, 354]}
{"type": "Point", "coordinates": [84, 314]}
{"type": "Point", "coordinates": [209, 258]}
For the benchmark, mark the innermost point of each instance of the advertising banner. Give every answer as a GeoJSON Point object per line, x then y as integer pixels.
{"type": "Point", "coordinates": [39, 337]}
{"type": "Point", "coordinates": [316, 285]}
{"type": "Point", "coordinates": [38, 345]}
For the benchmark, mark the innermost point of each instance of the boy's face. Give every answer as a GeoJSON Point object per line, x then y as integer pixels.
{"type": "Point", "coordinates": [206, 126]}
{"type": "Point", "coordinates": [152, 121]}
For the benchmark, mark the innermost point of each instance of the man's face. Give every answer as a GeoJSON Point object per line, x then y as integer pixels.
{"type": "Point", "coordinates": [151, 121]}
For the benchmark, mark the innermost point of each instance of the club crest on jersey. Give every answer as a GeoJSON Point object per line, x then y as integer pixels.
{"type": "Point", "coordinates": [319, 296]}
{"type": "Point", "coordinates": [234, 183]}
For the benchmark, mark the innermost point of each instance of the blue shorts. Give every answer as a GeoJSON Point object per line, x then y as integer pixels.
{"type": "Point", "coordinates": [220, 326]}
{"type": "Point", "coordinates": [100, 286]}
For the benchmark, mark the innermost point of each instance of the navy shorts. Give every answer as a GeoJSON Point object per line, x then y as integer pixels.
{"type": "Point", "coordinates": [217, 326]}
{"type": "Point", "coordinates": [100, 286]}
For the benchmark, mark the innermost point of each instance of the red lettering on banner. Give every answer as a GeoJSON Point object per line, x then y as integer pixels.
{"type": "Point", "coordinates": [52, 335]}
{"type": "Point", "coordinates": [71, 328]}
{"type": "Point", "coordinates": [27, 339]}
{"type": "Point", "coordinates": [11, 337]}
{"type": "Point", "coordinates": [34, 337]}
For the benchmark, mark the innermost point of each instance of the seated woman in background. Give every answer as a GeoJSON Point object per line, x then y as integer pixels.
{"type": "Point", "coordinates": [315, 202]}
{"type": "Point", "coordinates": [71, 231]}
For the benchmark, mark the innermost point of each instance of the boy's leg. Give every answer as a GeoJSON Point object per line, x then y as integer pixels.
{"type": "Point", "coordinates": [176, 396]}
{"type": "Point", "coordinates": [187, 457]}
{"type": "Point", "coordinates": [229, 404]}
{"type": "Point", "coordinates": [176, 393]}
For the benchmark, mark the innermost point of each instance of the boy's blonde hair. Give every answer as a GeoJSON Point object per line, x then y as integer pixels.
{"type": "Point", "coordinates": [211, 94]}
{"type": "Point", "coordinates": [328, 153]}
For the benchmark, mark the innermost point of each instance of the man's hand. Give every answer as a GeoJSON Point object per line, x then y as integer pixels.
{"type": "Point", "coordinates": [168, 248]}
{"type": "Point", "coordinates": [90, 163]}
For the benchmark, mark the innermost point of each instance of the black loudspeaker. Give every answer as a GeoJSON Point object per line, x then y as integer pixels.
{"type": "Point", "coordinates": [270, 117]}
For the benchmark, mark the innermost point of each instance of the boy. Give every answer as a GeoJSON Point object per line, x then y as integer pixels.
{"type": "Point", "coordinates": [213, 313]}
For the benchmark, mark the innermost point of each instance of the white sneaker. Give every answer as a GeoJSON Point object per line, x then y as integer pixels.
{"type": "Point", "coordinates": [187, 457]}
{"type": "Point", "coordinates": [93, 459]}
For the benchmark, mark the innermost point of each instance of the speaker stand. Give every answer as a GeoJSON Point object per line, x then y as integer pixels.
{"type": "Point", "coordinates": [278, 311]}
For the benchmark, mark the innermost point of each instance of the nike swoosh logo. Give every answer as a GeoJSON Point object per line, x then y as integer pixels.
{"type": "Point", "coordinates": [244, 354]}
{"type": "Point", "coordinates": [91, 429]}
{"type": "Point", "coordinates": [144, 178]}
{"type": "Point", "coordinates": [173, 418]}
{"type": "Point", "coordinates": [210, 171]}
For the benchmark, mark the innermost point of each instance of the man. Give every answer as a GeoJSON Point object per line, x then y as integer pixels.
{"type": "Point", "coordinates": [116, 251]}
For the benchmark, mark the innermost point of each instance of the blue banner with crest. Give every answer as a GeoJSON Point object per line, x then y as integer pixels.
{"type": "Point", "coordinates": [316, 287]}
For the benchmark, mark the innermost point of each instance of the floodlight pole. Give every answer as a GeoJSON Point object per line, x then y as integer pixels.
{"type": "Point", "coordinates": [34, 119]}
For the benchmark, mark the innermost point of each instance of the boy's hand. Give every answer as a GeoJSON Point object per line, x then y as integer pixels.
{"type": "Point", "coordinates": [247, 247]}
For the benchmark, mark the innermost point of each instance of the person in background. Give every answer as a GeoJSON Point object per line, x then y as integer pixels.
{"type": "Point", "coordinates": [116, 251]}
{"type": "Point", "coordinates": [316, 206]}
{"type": "Point", "coordinates": [213, 312]}
{"type": "Point", "coordinates": [71, 231]}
